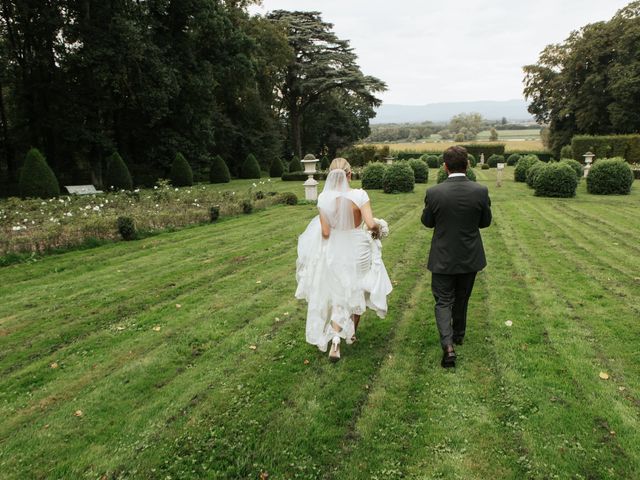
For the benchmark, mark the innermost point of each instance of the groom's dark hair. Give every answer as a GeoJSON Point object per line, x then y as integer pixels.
{"type": "Point", "coordinates": [456, 159]}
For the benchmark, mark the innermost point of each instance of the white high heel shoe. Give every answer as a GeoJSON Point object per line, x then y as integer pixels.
{"type": "Point", "coordinates": [334, 352]}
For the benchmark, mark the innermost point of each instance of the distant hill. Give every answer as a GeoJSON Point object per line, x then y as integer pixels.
{"type": "Point", "coordinates": [514, 110]}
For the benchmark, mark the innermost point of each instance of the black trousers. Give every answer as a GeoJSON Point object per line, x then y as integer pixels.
{"type": "Point", "coordinates": [451, 293]}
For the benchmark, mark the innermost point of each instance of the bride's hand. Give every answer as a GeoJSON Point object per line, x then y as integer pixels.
{"type": "Point", "coordinates": [375, 232]}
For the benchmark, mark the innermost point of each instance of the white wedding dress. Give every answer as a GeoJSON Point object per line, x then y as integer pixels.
{"type": "Point", "coordinates": [343, 274]}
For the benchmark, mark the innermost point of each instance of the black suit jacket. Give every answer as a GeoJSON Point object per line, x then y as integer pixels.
{"type": "Point", "coordinates": [457, 208]}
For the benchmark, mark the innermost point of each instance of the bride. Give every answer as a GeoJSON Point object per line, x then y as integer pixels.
{"type": "Point", "coordinates": [339, 269]}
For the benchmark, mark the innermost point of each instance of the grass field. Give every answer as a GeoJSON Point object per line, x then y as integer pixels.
{"type": "Point", "coordinates": [182, 355]}
{"type": "Point", "coordinates": [420, 146]}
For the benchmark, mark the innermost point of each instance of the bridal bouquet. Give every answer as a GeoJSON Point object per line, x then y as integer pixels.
{"type": "Point", "coordinates": [382, 231]}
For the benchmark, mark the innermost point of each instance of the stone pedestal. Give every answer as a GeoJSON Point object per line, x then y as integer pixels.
{"type": "Point", "coordinates": [499, 174]}
{"type": "Point", "coordinates": [311, 185]}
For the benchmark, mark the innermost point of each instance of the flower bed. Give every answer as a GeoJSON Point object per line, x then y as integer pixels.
{"type": "Point", "coordinates": [37, 225]}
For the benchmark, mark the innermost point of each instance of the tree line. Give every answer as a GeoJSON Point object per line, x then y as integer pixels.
{"type": "Point", "coordinates": [81, 79]}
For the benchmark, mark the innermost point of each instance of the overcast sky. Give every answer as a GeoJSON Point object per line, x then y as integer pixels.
{"type": "Point", "coordinates": [431, 51]}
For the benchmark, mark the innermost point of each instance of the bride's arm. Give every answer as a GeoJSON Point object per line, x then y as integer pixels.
{"type": "Point", "coordinates": [367, 216]}
{"type": "Point", "coordinates": [326, 228]}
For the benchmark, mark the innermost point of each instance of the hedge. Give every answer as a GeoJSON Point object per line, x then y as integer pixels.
{"type": "Point", "coordinates": [610, 176]}
{"type": "Point", "coordinates": [543, 155]}
{"type": "Point", "coordinates": [373, 176]}
{"type": "Point", "coordinates": [295, 165]}
{"type": "Point", "coordinates": [533, 171]}
{"type": "Point", "coordinates": [555, 180]}
{"type": "Point", "coordinates": [523, 166]}
{"type": "Point", "coordinates": [250, 168]}
{"type": "Point", "coordinates": [276, 169]}
{"type": "Point", "coordinates": [181, 174]}
{"type": "Point", "coordinates": [398, 178]}
{"type": "Point", "coordinates": [607, 146]}
{"type": "Point", "coordinates": [301, 176]}
{"type": "Point", "coordinates": [420, 170]}
{"type": "Point", "coordinates": [576, 165]}
{"type": "Point", "coordinates": [117, 176]}
{"type": "Point", "coordinates": [37, 180]}
{"type": "Point", "coordinates": [218, 171]}
{"type": "Point", "coordinates": [513, 159]}
{"type": "Point", "coordinates": [488, 149]}
{"type": "Point", "coordinates": [443, 175]}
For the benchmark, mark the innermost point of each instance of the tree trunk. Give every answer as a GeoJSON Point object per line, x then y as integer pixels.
{"type": "Point", "coordinates": [296, 131]}
{"type": "Point", "coordinates": [7, 148]}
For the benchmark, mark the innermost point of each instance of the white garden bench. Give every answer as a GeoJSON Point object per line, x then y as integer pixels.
{"type": "Point", "coordinates": [82, 189]}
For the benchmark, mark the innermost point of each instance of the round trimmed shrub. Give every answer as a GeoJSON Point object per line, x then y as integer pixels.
{"type": "Point", "coordinates": [442, 175]}
{"type": "Point", "coordinates": [420, 170]}
{"type": "Point", "coordinates": [513, 159]}
{"type": "Point", "coordinates": [440, 159]}
{"type": "Point", "coordinates": [485, 166]}
{"type": "Point", "coordinates": [277, 168]}
{"type": "Point", "coordinates": [472, 160]}
{"type": "Point", "coordinates": [612, 176]}
{"type": "Point", "coordinates": [218, 171]}
{"type": "Point", "coordinates": [398, 178]}
{"type": "Point", "coordinates": [250, 168]}
{"type": "Point", "coordinates": [431, 160]}
{"type": "Point", "coordinates": [289, 198]}
{"type": "Point", "coordinates": [37, 180]}
{"type": "Point", "coordinates": [324, 163]}
{"type": "Point", "coordinates": [181, 174]}
{"type": "Point", "coordinates": [117, 176]}
{"type": "Point", "coordinates": [533, 172]}
{"type": "Point", "coordinates": [494, 160]}
{"type": "Point", "coordinates": [576, 165]}
{"type": "Point", "coordinates": [127, 228]}
{"type": "Point", "coordinates": [373, 176]}
{"type": "Point", "coordinates": [566, 152]}
{"type": "Point", "coordinates": [295, 165]}
{"type": "Point", "coordinates": [523, 166]}
{"type": "Point", "coordinates": [555, 180]}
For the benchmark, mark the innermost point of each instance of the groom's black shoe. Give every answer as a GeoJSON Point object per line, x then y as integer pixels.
{"type": "Point", "coordinates": [458, 340]}
{"type": "Point", "coordinates": [448, 357]}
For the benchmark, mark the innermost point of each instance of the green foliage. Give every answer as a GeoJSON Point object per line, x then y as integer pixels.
{"type": "Point", "coordinates": [566, 152]}
{"type": "Point", "coordinates": [607, 146]}
{"type": "Point", "coordinates": [513, 159]}
{"type": "Point", "coordinates": [442, 175]}
{"type": "Point", "coordinates": [250, 168]}
{"type": "Point", "coordinates": [277, 168]}
{"type": "Point", "coordinates": [214, 213]}
{"type": "Point", "coordinates": [420, 170]}
{"type": "Point", "coordinates": [218, 171]}
{"type": "Point", "coordinates": [117, 176]}
{"type": "Point", "coordinates": [575, 165]}
{"type": "Point", "coordinates": [247, 206]}
{"type": "Point", "coordinates": [289, 198]}
{"type": "Point", "coordinates": [494, 160]}
{"type": "Point", "coordinates": [373, 176]}
{"type": "Point", "coordinates": [488, 149]}
{"type": "Point", "coordinates": [398, 178]}
{"type": "Point", "coordinates": [493, 135]}
{"type": "Point", "coordinates": [301, 176]}
{"type": "Point", "coordinates": [127, 228]}
{"type": "Point", "coordinates": [431, 160]}
{"type": "Point", "coordinates": [324, 163]}
{"type": "Point", "coordinates": [611, 176]}
{"type": "Point", "coordinates": [37, 180]}
{"type": "Point", "coordinates": [533, 172]}
{"type": "Point", "coordinates": [295, 165]}
{"type": "Point", "coordinates": [181, 174]}
{"type": "Point", "coordinates": [523, 166]}
{"type": "Point", "coordinates": [555, 179]}
{"type": "Point", "coordinates": [472, 160]}
{"type": "Point", "coordinates": [485, 166]}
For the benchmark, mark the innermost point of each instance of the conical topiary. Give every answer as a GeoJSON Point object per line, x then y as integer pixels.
{"type": "Point", "coordinates": [117, 176]}
{"type": "Point", "coordinates": [276, 169]}
{"type": "Point", "coordinates": [324, 163]}
{"type": "Point", "coordinates": [181, 173]}
{"type": "Point", "coordinates": [219, 172]}
{"type": "Point", "coordinates": [37, 180]}
{"type": "Point", "coordinates": [250, 168]}
{"type": "Point", "coordinates": [295, 165]}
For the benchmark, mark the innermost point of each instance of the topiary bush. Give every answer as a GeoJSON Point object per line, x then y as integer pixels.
{"type": "Point", "coordinates": [494, 160]}
{"type": "Point", "coordinates": [127, 228]}
{"type": "Point", "coordinates": [324, 163]}
{"type": "Point", "coordinates": [37, 180]}
{"type": "Point", "coordinates": [250, 168]}
{"type": "Point", "coordinates": [420, 170]}
{"type": "Point", "coordinates": [181, 174]}
{"type": "Point", "coordinates": [295, 165]}
{"type": "Point", "coordinates": [555, 180]}
{"type": "Point", "coordinates": [533, 172]}
{"type": "Point", "coordinates": [472, 160]}
{"type": "Point", "coordinates": [523, 166]}
{"type": "Point", "coordinates": [485, 166]}
{"type": "Point", "coordinates": [442, 175]}
{"type": "Point", "coordinates": [566, 152]}
{"type": "Point", "coordinates": [117, 176]}
{"type": "Point", "coordinates": [218, 171]}
{"type": "Point", "coordinates": [431, 161]}
{"type": "Point", "coordinates": [440, 159]}
{"type": "Point", "coordinates": [398, 178]}
{"type": "Point", "coordinates": [513, 159]}
{"type": "Point", "coordinates": [289, 198]}
{"type": "Point", "coordinates": [576, 165]}
{"type": "Point", "coordinates": [611, 176]}
{"type": "Point", "coordinates": [373, 176]}
{"type": "Point", "coordinates": [277, 168]}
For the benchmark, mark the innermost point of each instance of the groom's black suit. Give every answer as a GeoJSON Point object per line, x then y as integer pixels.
{"type": "Point", "coordinates": [457, 208]}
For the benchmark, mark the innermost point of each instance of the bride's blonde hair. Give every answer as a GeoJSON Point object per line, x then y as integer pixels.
{"type": "Point", "coordinates": [340, 164]}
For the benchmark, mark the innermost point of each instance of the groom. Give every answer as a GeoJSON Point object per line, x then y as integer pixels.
{"type": "Point", "coordinates": [457, 208]}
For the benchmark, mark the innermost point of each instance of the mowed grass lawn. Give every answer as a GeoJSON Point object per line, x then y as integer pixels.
{"type": "Point", "coordinates": [182, 355]}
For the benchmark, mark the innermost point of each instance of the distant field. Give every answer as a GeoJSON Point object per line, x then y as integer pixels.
{"type": "Point", "coordinates": [523, 134]}
{"type": "Point", "coordinates": [511, 145]}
